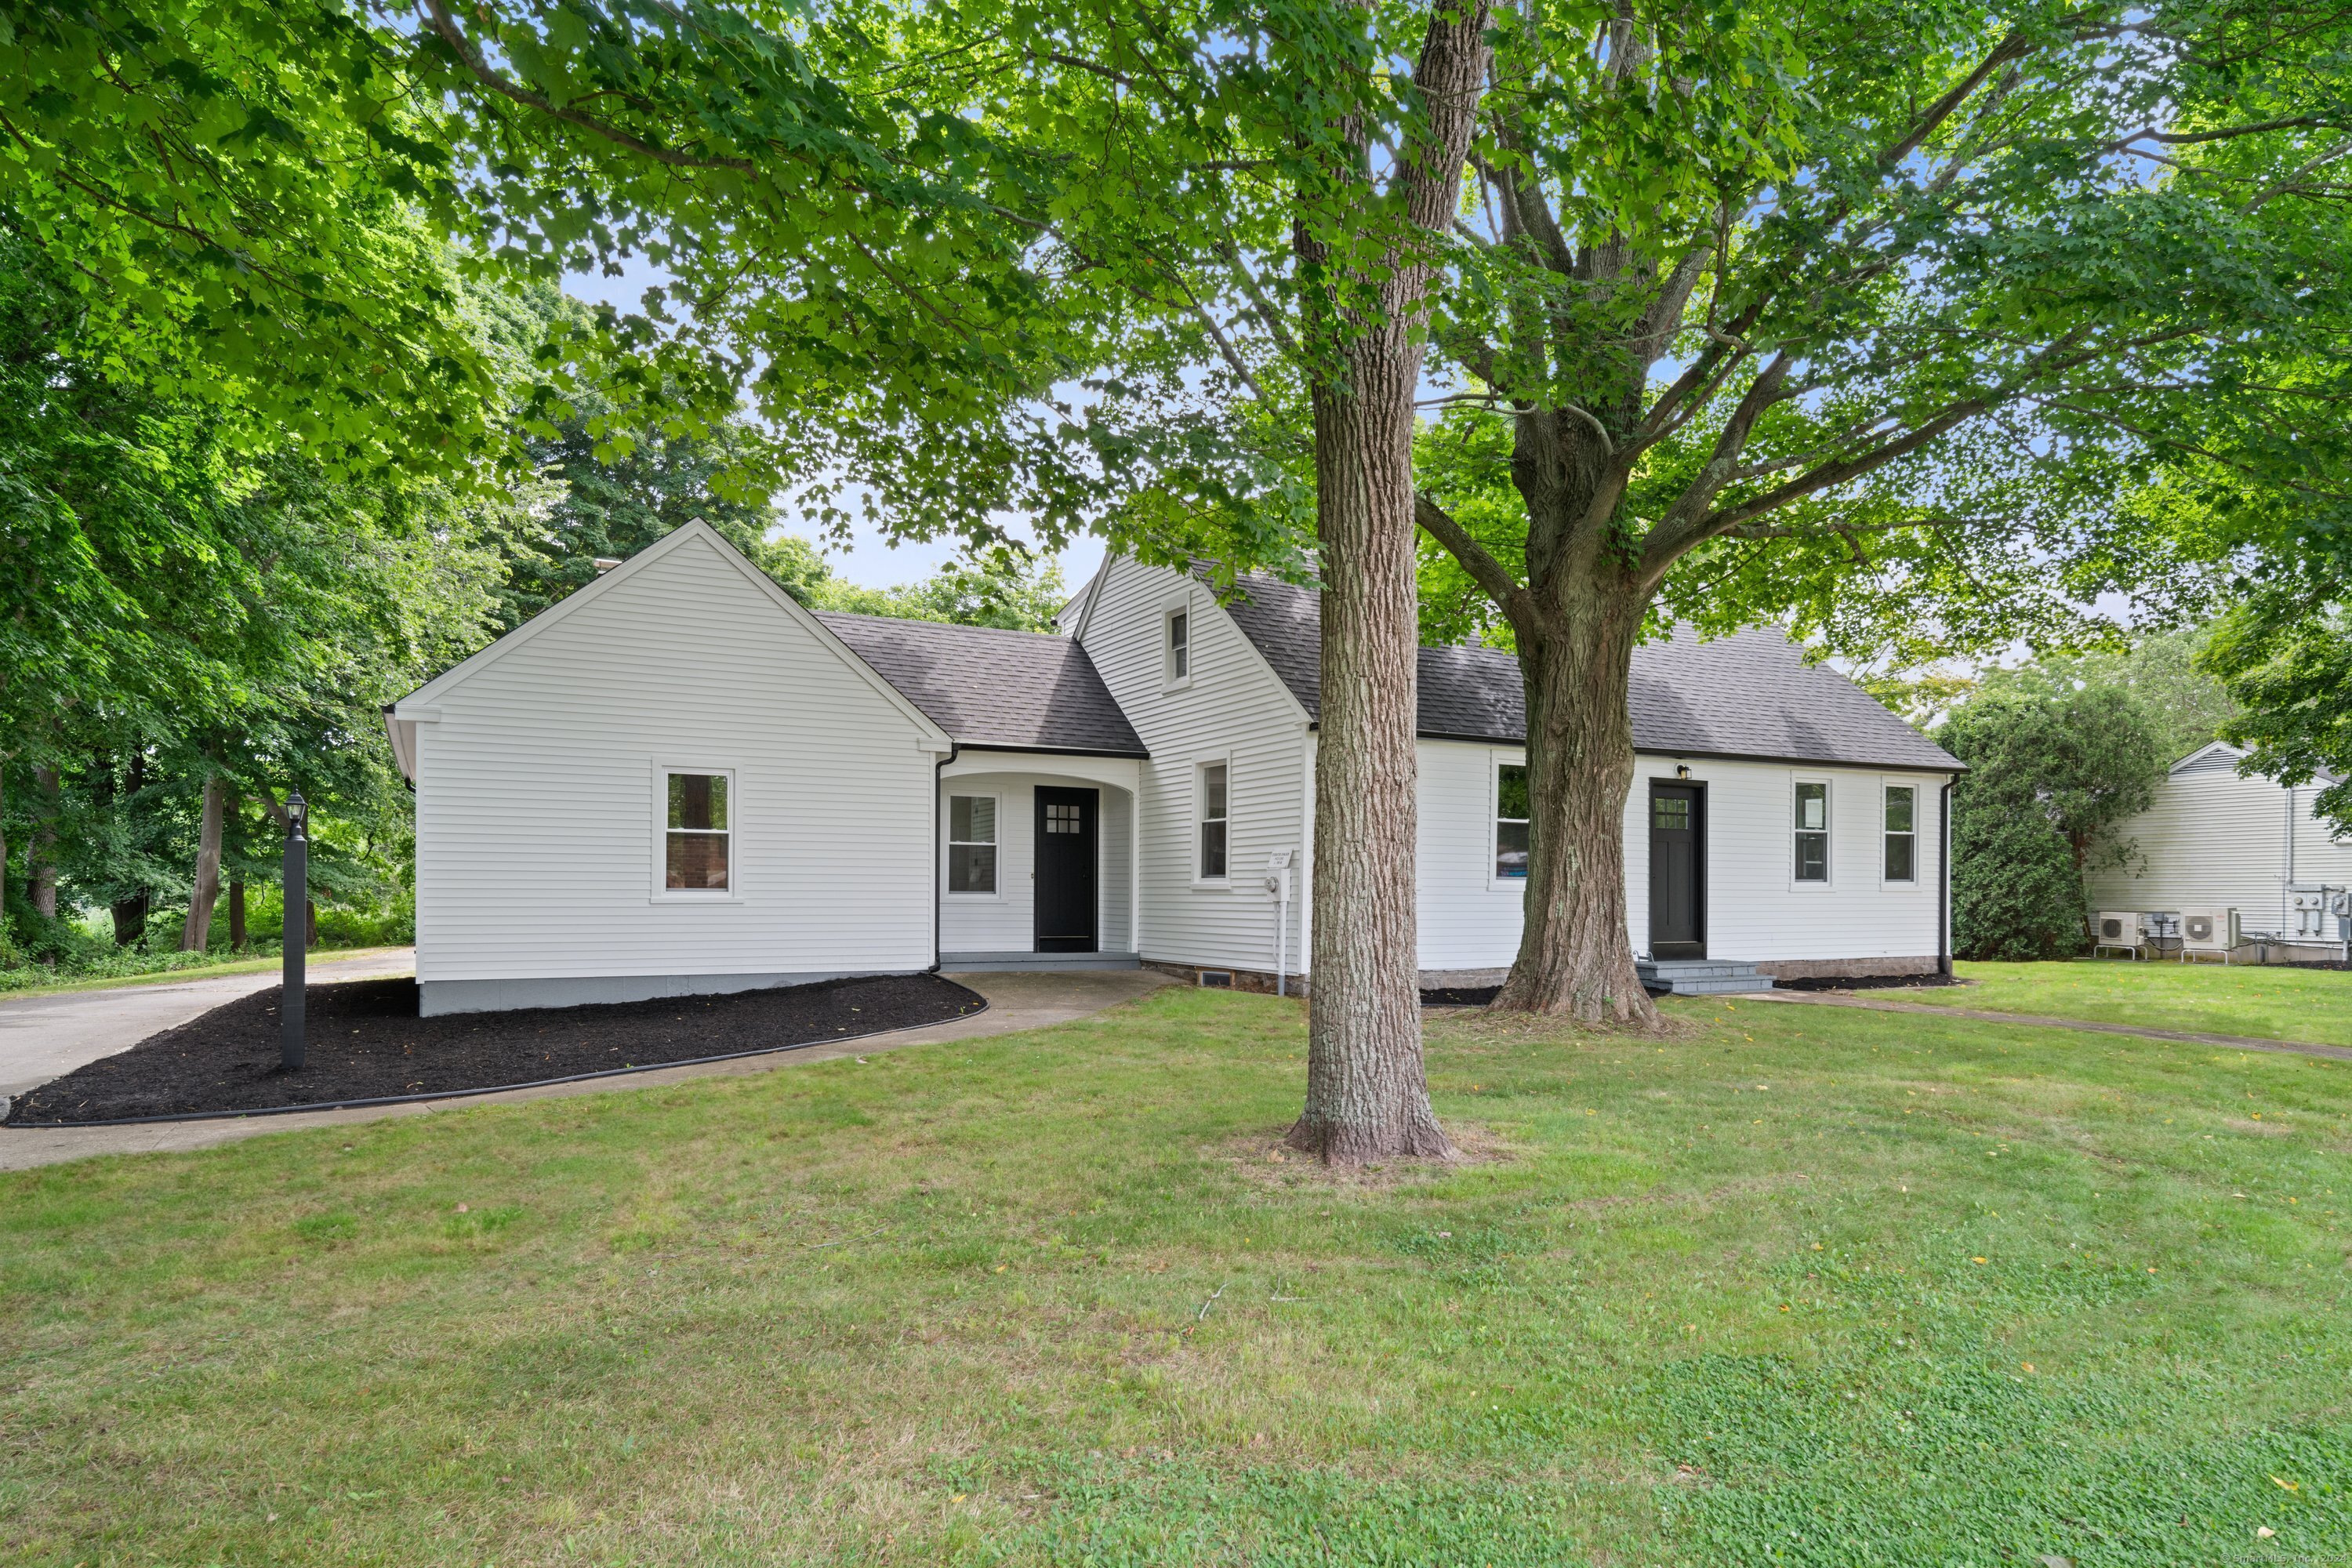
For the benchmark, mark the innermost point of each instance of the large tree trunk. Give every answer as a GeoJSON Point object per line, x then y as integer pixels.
{"type": "Point", "coordinates": [1575, 952]}
{"type": "Point", "coordinates": [1367, 1095]}
{"type": "Point", "coordinates": [195, 932]}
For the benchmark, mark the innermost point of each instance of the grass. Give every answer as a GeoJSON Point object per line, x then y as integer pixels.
{"type": "Point", "coordinates": [2260, 1001]}
{"type": "Point", "coordinates": [1805, 1286]}
{"type": "Point", "coordinates": [178, 976]}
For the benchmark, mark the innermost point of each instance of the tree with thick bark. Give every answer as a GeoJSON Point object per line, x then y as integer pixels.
{"type": "Point", "coordinates": [1256, 198]}
{"type": "Point", "coordinates": [1854, 314]}
{"type": "Point", "coordinates": [1365, 316]}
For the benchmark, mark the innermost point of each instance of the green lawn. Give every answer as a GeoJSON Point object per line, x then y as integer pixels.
{"type": "Point", "coordinates": [2264, 1001]}
{"type": "Point", "coordinates": [1807, 1286]}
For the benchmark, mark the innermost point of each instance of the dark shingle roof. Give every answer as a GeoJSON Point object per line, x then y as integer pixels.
{"type": "Point", "coordinates": [987, 688]}
{"type": "Point", "coordinates": [1748, 695]}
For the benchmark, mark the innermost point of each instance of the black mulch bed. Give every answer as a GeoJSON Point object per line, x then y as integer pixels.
{"type": "Point", "coordinates": [1458, 995]}
{"type": "Point", "coordinates": [1870, 982]}
{"type": "Point", "coordinates": [366, 1043]}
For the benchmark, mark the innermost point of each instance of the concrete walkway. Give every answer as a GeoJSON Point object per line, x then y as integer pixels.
{"type": "Point", "coordinates": [42, 1037]}
{"type": "Point", "coordinates": [1987, 1015]}
{"type": "Point", "coordinates": [1015, 1001]}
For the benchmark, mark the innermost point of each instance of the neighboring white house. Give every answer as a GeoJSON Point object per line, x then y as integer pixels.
{"type": "Point", "coordinates": [679, 780]}
{"type": "Point", "coordinates": [2214, 839]}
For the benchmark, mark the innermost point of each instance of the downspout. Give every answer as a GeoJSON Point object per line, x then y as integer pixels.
{"type": "Point", "coordinates": [1306, 860]}
{"type": "Point", "coordinates": [2286, 889]}
{"type": "Point", "coordinates": [1944, 875]}
{"type": "Point", "coordinates": [938, 839]}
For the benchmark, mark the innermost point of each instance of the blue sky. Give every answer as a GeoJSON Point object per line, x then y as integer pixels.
{"type": "Point", "coordinates": [869, 559]}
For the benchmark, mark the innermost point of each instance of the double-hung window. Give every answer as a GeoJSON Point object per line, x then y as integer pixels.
{"type": "Point", "coordinates": [972, 844]}
{"type": "Point", "coordinates": [1511, 822]}
{"type": "Point", "coordinates": [1180, 647]}
{"type": "Point", "coordinates": [698, 841]}
{"type": "Point", "coordinates": [1902, 833]}
{"type": "Point", "coordinates": [1215, 809]}
{"type": "Point", "coordinates": [1812, 831]}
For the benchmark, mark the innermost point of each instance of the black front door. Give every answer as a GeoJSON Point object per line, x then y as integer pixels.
{"type": "Point", "coordinates": [1066, 869]}
{"type": "Point", "coordinates": [1677, 870]}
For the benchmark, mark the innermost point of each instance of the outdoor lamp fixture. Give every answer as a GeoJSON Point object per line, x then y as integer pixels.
{"type": "Point", "coordinates": [1681, 770]}
{"type": "Point", "coordinates": [297, 881]}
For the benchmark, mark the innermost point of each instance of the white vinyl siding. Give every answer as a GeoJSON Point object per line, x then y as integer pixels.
{"type": "Point", "coordinates": [1470, 919]}
{"type": "Point", "coordinates": [1755, 910]}
{"type": "Point", "coordinates": [537, 785]}
{"type": "Point", "coordinates": [1233, 709]}
{"type": "Point", "coordinates": [2212, 840]}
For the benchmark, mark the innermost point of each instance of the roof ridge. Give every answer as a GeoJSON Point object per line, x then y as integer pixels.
{"type": "Point", "coordinates": [943, 626]}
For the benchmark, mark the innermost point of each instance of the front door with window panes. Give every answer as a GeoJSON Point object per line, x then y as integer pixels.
{"type": "Point", "coordinates": [1677, 870]}
{"type": "Point", "coordinates": [1066, 904]}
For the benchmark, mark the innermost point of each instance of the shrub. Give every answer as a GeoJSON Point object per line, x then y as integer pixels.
{"type": "Point", "coordinates": [2050, 777]}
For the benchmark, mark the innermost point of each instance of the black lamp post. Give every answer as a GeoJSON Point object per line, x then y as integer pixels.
{"type": "Point", "coordinates": [297, 879]}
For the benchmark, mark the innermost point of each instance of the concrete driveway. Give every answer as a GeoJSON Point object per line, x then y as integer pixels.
{"type": "Point", "coordinates": [42, 1037]}
{"type": "Point", "coordinates": [1015, 1000]}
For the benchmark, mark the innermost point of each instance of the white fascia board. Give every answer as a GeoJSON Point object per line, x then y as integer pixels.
{"type": "Point", "coordinates": [1092, 593]}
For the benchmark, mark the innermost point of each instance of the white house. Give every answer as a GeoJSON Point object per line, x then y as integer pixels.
{"type": "Point", "coordinates": [678, 780]}
{"type": "Point", "coordinates": [2213, 839]}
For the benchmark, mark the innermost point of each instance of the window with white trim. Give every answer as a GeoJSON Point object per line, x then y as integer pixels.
{"type": "Point", "coordinates": [698, 841]}
{"type": "Point", "coordinates": [1215, 811]}
{"type": "Point", "coordinates": [1180, 646]}
{"type": "Point", "coordinates": [972, 844]}
{"type": "Point", "coordinates": [1902, 833]}
{"type": "Point", "coordinates": [1511, 822]}
{"type": "Point", "coordinates": [1813, 806]}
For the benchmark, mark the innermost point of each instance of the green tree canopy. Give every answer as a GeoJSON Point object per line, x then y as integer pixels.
{"type": "Point", "coordinates": [1870, 317]}
{"type": "Point", "coordinates": [2049, 778]}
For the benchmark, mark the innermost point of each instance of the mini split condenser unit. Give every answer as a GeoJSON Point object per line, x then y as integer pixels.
{"type": "Point", "coordinates": [2205, 933]}
{"type": "Point", "coordinates": [2117, 929]}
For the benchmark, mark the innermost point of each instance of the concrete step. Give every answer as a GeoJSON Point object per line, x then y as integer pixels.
{"type": "Point", "coordinates": [1722, 986]}
{"type": "Point", "coordinates": [999, 962]}
{"type": "Point", "coordinates": [1702, 976]}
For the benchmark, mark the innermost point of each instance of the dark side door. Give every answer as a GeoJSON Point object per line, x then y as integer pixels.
{"type": "Point", "coordinates": [1677, 870]}
{"type": "Point", "coordinates": [1065, 898]}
